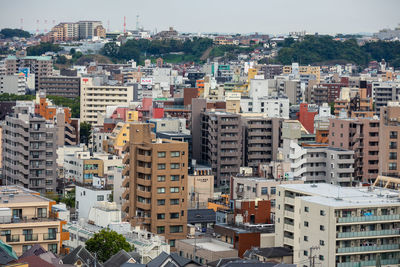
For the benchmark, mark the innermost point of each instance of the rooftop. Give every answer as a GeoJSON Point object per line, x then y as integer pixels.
{"type": "Point", "coordinates": [336, 196]}
{"type": "Point", "coordinates": [209, 244]}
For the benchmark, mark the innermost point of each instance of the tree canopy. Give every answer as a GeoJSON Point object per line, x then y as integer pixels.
{"type": "Point", "coordinates": [86, 132]}
{"type": "Point", "coordinates": [106, 243]}
{"type": "Point", "coordinates": [9, 33]}
{"type": "Point", "coordinates": [320, 49]}
{"type": "Point", "coordinates": [138, 49]}
{"type": "Point", "coordinates": [42, 48]}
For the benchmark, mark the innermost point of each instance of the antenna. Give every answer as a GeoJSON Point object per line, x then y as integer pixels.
{"type": "Point", "coordinates": [137, 22]}
{"type": "Point", "coordinates": [124, 24]}
{"type": "Point", "coordinates": [22, 23]}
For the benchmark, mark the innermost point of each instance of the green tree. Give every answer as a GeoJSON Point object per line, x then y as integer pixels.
{"type": "Point", "coordinates": [110, 50]}
{"type": "Point", "coordinates": [42, 48]}
{"type": "Point", "coordinates": [9, 33]}
{"type": "Point", "coordinates": [69, 198]}
{"type": "Point", "coordinates": [62, 60]}
{"type": "Point", "coordinates": [85, 132]}
{"type": "Point", "coordinates": [72, 51]}
{"type": "Point", "coordinates": [107, 243]}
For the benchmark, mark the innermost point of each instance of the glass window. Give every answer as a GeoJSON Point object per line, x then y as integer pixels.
{"type": "Point", "coordinates": [161, 190]}
{"type": "Point", "coordinates": [174, 201]}
{"type": "Point", "coordinates": [273, 190]}
{"type": "Point", "coordinates": [161, 166]}
{"type": "Point", "coordinates": [175, 154]}
{"type": "Point", "coordinates": [174, 177]}
{"type": "Point", "coordinates": [322, 242]}
{"type": "Point", "coordinates": [161, 216]}
{"type": "Point", "coordinates": [160, 202]}
{"type": "Point", "coordinates": [174, 165]}
{"type": "Point", "coordinates": [392, 166]}
{"type": "Point", "coordinates": [306, 209]}
{"type": "Point", "coordinates": [322, 212]}
{"type": "Point", "coordinates": [174, 215]}
{"type": "Point", "coordinates": [100, 198]}
{"type": "Point", "coordinates": [264, 190]}
{"type": "Point", "coordinates": [172, 243]}
{"type": "Point", "coordinates": [305, 238]}
{"type": "Point", "coordinates": [176, 229]}
{"type": "Point", "coordinates": [305, 223]}
{"type": "Point", "coordinates": [322, 228]}
{"type": "Point", "coordinates": [174, 189]}
{"type": "Point", "coordinates": [161, 178]}
{"type": "Point", "coordinates": [161, 154]}
{"type": "Point", "coordinates": [160, 229]}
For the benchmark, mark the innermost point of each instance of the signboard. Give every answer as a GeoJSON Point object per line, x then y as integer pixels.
{"type": "Point", "coordinates": [146, 81]}
{"type": "Point", "coordinates": [24, 71]}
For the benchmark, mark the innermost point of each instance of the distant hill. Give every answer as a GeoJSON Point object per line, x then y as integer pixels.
{"type": "Point", "coordinates": [9, 33]}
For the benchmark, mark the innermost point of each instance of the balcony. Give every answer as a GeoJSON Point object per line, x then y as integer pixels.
{"type": "Point", "coordinates": [369, 233]}
{"type": "Point", "coordinates": [368, 263]}
{"type": "Point", "coordinates": [50, 236]}
{"type": "Point", "coordinates": [24, 219]}
{"type": "Point", "coordinates": [125, 182]}
{"type": "Point", "coordinates": [31, 237]}
{"type": "Point", "coordinates": [393, 217]}
{"type": "Point", "coordinates": [125, 195]}
{"type": "Point", "coordinates": [288, 227]}
{"type": "Point", "coordinates": [289, 214]}
{"type": "Point", "coordinates": [12, 238]}
{"type": "Point", "coordinates": [288, 241]}
{"type": "Point", "coordinates": [144, 170]}
{"type": "Point", "coordinates": [289, 200]}
{"type": "Point", "coordinates": [125, 171]}
{"type": "Point", "coordinates": [368, 248]}
{"type": "Point", "coordinates": [125, 160]}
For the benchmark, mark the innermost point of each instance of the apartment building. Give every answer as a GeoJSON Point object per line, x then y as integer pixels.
{"type": "Point", "coordinates": [292, 89]}
{"type": "Point", "coordinates": [389, 132]}
{"type": "Point", "coordinates": [87, 28]}
{"type": "Point", "coordinates": [272, 106]}
{"type": "Point", "coordinates": [64, 86]}
{"type": "Point", "coordinates": [156, 176]}
{"type": "Point", "coordinates": [95, 99]}
{"type": "Point", "coordinates": [81, 167]}
{"type": "Point", "coordinates": [29, 150]}
{"type": "Point", "coordinates": [37, 65]}
{"type": "Point", "coordinates": [316, 162]}
{"type": "Point", "coordinates": [221, 144]}
{"type": "Point", "coordinates": [384, 92]}
{"type": "Point", "coordinates": [64, 31]}
{"type": "Point", "coordinates": [270, 71]}
{"type": "Point", "coordinates": [13, 84]}
{"type": "Point", "coordinates": [261, 139]}
{"type": "Point", "coordinates": [200, 186]}
{"type": "Point", "coordinates": [362, 136]}
{"type": "Point", "coordinates": [345, 226]}
{"type": "Point", "coordinates": [28, 219]}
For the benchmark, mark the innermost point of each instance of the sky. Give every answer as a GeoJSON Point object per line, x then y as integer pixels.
{"type": "Point", "coordinates": [221, 16]}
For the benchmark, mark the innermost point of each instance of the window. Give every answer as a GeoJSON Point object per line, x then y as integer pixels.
{"type": "Point", "coordinates": [172, 243]}
{"type": "Point", "coordinates": [174, 215]}
{"type": "Point", "coordinates": [322, 228]}
{"type": "Point", "coordinates": [100, 198]}
{"type": "Point", "coordinates": [306, 209]}
{"type": "Point", "coordinates": [305, 253]}
{"type": "Point", "coordinates": [322, 242]}
{"type": "Point", "coordinates": [264, 190]}
{"type": "Point", "coordinates": [161, 166]}
{"type": "Point", "coordinates": [174, 165]}
{"type": "Point", "coordinates": [5, 232]}
{"type": "Point", "coordinates": [392, 166]}
{"type": "Point", "coordinates": [305, 238]}
{"type": "Point", "coordinates": [393, 135]}
{"type": "Point", "coordinates": [176, 229]}
{"type": "Point", "coordinates": [322, 212]}
{"type": "Point", "coordinates": [174, 189]}
{"type": "Point", "coordinates": [25, 248]}
{"type": "Point", "coordinates": [175, 154]}
{"type": "Point", "coordinates": [161, 154]}
{"type": "Point", "coordinates": [393, 145]}
{"type": "Point", "coordinates": [42, 212]}
{"type": "Point", "coordinates": [321, 257]}
{"type": "Point", "coordinates": [273, 190]}
{"type": "Point", "coordinates": [174, 201]}
{"type": "Point", "coordinates": [160, 202]}
{"type": "Point", "coordinates": [160, 229]}
{"type": "Point", "coordinates": [161, 178]}
{"type": "Point", "coordinates": [174, 177]}
{"type": "Point", "coordinates": [392, 155]}
{"type": "Point", "coordinates": [161, 216]}
{"type": "Point", "coordinates": [305, 223]}
{"type": "Point", "coordinates": [161, 190]}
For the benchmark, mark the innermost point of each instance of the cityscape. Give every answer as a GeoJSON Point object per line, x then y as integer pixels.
{"type": "Point", "coordinates": [139, 143]}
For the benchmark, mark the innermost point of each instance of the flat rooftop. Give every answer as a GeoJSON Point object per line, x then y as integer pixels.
{"type": "Point", "coordinates": [209, 244]}
{"type": "Point", "coordinates": [337, 196]}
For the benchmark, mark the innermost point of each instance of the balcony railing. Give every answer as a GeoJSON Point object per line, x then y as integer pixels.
{"type": "Point", "coordinates": [32, 237]}
{"type": "Point", "coordinates": [369, 218]}
{"type": "Point", "coordinates": [50, 236]}
{"type": "Point", "coordinates": [368, 233]}
{"type": "Point", "coordinates": [12, 238]}
{"type": "Point", "coordinates": [24, 219]}
{"type": "Point", "coordinates": [368, 248]}
{"type": "Point", "coordinates": [368, 263]}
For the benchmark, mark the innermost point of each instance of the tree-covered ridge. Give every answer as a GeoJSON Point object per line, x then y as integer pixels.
{"type": "Point", "coordinates": [320, 49]}
{"type": "Point", "coordinates": [9, 33]}
{"type": "Point", "coordinates": [42, 48]}
{"type": "Point", "coordinates": [143, 48]}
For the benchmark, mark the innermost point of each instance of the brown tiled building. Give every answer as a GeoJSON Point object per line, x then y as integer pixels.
{"type": "Point", "coordinates": [60, 86]}
{"type": "Point", "coordinates": [156, 177]}
{"type": "Point", "coordinates": [389, 161]}
{"type": "Point", "coordinates": [362, 136]}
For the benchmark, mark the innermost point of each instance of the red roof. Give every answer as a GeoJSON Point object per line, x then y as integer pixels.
{"type": "Point", "coordinates": [35, 261]}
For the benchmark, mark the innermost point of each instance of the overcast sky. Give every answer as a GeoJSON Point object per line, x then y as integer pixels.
{"type": "Point", "coordinates": [242, 16]}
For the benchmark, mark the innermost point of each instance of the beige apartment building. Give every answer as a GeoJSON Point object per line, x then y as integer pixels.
{"type": "Point", "coordinates": [27, 219]}
{"type": "Point", "coordinates": [389, 146]}
{"type": "Point", "coordinates": [95, 99]}
{"type": "Point", "coordinates": [200, 187]}
{"type": "Point", "coordinates": [155, 178]}
{"type": "Point", "coordinates": [345, 226]}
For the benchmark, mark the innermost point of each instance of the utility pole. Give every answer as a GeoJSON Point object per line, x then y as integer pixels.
{"type": "Point", "coordinates": [311, 257]}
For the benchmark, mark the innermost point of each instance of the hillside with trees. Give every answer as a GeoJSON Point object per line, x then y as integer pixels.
{"type": "Point", "coordinates": [42, 48]}
{"type": "Point", "coordinates": [324, 49]}
{"type": "Point", "coordinates": [10, 33]}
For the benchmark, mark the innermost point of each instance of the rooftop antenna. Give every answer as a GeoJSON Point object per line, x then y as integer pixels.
{"type": "Point", "coordinates": [137, 22]}
{"type": "Point", "coordinates": [124, 24]}
{"type": "Point", "coordinates": [22, 23]}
